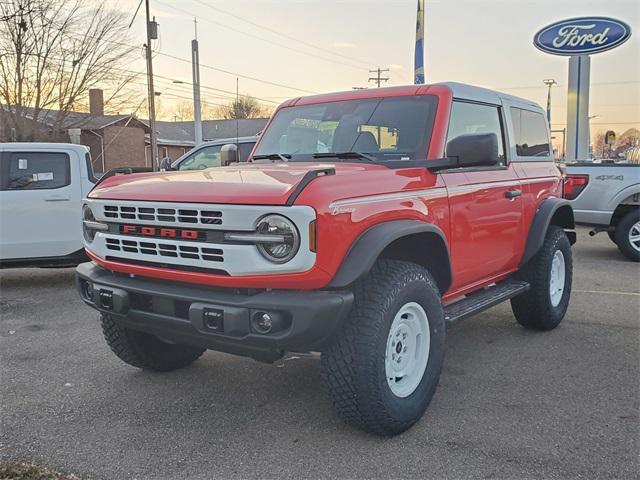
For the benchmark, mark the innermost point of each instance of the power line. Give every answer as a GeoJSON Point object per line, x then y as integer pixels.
{"type": "Point", "coordinates": [210, 67]}
{"type": "Point", "coordinates": [314, 55]}
{"type": "Point", "coordinates": [281, 34]}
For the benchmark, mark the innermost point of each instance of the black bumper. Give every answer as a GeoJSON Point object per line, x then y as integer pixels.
{"type": "Point", "coordinates": [216, 318]}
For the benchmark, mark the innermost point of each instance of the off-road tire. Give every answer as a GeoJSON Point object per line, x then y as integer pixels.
{"type": "Point", "coordinates": [354, 365]}
{"type": "Point", "coordinates": [622, 235]}
{"type": "Point", "coordinates": [533, 309]}
{"type": "Point", "coordinates": [143, 350]}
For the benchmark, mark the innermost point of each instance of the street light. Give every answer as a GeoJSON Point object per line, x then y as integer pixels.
{"type": "Point", "coordinates": [549, 82]}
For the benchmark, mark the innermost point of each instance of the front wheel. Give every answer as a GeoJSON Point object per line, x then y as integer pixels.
{"type": "Point", "coordinates": [383, 367]}
{"type": "Point", "coordinates": [144, 350]}
{"type": "Point", "coordinates": [627, 235]}
{"type": "Point", "coordinates": [550, 274]}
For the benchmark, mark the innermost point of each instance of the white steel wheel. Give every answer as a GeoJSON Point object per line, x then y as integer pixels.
{"type": "Point", "coordinates": [557, 278]}
{"type": "Point", "coordinates": [634, 236]}
{"type": "Point", "coordinates": [407, 350]}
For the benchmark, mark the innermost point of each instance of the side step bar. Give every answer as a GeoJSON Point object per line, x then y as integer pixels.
{"type": "Point", "coordinates": [484, 299]}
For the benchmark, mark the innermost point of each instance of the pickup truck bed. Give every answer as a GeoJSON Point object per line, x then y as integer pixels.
{"type": "Point", "coordinates": [607, 197]}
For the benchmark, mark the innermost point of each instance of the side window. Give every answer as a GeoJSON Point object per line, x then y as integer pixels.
{"type": "Point", "coordinates": [244, 149]}
{"type": "Point", "coordinates": [205, 157]}
{"type": "Point", "coordinates": [476, 118]}
{"type": "Point", "coordinates": [531, 136]}
{"type": "Point", "coordinates": [35, 171]}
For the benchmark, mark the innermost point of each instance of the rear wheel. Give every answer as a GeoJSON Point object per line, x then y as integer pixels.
{"type": "Point", "coordinates": [146, 351]}
{"type": "Point", "coordinates": [383, 367]}
{"type": "Point", "coordinates": [627, 235]}
{"type": "Point", "coordinates": [550, 275]}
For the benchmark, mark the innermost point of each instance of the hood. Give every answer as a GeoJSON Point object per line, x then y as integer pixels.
{"type": "Point", "coordinates": [254, 184]}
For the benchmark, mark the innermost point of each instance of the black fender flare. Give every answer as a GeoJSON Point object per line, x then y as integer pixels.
{"type": "Point", "coordinates": [368, 247]}
{"type": "Point", "coordinates": [557, 209]}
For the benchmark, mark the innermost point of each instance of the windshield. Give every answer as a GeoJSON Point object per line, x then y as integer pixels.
{"type": "Point", "coordinates": [392, 128]}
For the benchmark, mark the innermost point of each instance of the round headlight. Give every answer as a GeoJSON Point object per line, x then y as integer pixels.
{"type": "Point", "coordinates": [87, 216]}
{"type": "Point", "coordinates": [286, 239]}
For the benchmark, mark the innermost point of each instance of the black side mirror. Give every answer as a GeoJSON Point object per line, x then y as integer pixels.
{"type": "Point", "coordinates": [474, 149]}
{"type": "Point", "coordinates": [228, 154]}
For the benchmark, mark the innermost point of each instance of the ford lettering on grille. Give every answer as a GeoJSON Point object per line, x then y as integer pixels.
{"type": "Point", "coordinates": [163, 232]}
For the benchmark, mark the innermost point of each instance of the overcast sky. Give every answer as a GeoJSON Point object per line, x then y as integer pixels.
{"type": "Point", "coordinates": [328, 45]}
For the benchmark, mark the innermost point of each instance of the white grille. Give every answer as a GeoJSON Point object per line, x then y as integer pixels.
{"type": "Point", "coordinates": [160, 249]}
{"type": "Point", "coordinates": [236, 259]}
{"type": "Point", "coordinates": [171, 215]}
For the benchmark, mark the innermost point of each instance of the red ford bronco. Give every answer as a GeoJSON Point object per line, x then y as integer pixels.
{"type": "Point", "coordinates": [366, 222]}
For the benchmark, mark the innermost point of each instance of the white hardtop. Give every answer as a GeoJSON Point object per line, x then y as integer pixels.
{"type": "Point", "coordinates": [465, 91]}
{"type": "Point", "coordinates": [42, 146]}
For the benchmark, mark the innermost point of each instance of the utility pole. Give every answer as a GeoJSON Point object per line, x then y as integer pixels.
{"type": "Point", "coordinates": [549, 82]}
{"type": "Point", "coordinates": [378, 79]}
{"type": "Point", "coordinates": [152, 34]}
{"type": "Point", "coordinates": [195, 63]}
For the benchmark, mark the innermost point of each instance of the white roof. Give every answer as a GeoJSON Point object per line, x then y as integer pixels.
{"type": "Point", "coordinates": [480, 94]}
{"type": "Point", "coordinates": [12, 146]}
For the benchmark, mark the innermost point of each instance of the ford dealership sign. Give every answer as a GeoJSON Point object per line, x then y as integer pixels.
{"type": "Point", "coordinates": [582, 36]}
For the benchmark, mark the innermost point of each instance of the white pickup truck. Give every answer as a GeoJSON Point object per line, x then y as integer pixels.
{"type": "Point", "coordinates": [41, 190]}
{"type": "Point", "coordinates": [606, 196]}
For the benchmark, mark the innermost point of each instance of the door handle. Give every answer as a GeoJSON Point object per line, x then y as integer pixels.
{"type": "Point", "coordinates": [511, 194]}
{"type": "Point", "coordinates": [57, 199]}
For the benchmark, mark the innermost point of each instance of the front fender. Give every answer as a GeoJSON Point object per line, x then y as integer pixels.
{"type": "Point", "coordinates": [370, 245]}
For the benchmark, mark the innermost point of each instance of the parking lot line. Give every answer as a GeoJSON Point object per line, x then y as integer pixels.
{"type": "Point", "coordinates": [608, 292]}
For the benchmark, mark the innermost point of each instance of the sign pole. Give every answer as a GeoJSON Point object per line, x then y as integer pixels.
{"type": "Point", "coordinates": [578, 108]}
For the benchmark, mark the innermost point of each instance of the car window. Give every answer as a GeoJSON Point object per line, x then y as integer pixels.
{"type": "Point", "coordinates": [469, 118]}
{"type": "Point", "coordinates": [205, 157]}
{"type": "Point", "coordinates": [244, 150]}
{"type": "Point", "coordinates": [531, 136]}
{"type": "Point", "coordinates": [34, 171]}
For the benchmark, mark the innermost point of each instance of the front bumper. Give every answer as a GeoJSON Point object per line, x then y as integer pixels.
{"type": "Point", "coordinates": [216, 318]}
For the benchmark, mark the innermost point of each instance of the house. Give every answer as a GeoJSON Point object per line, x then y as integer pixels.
{"type": "Point", "coordinates": [121, 140]}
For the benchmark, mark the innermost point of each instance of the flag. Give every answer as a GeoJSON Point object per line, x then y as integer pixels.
{"type": "Point", "coordinates": [419, 53]}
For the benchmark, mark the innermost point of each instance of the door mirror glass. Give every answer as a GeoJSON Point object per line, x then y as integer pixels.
{"type": "Point", "coordinates": [474, 149]}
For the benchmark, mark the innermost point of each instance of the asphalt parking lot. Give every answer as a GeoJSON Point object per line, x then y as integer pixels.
{"type": "Point", "coordinates": [511, 403]}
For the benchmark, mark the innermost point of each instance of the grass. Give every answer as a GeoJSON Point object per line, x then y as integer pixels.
{"type": "Point", "coordinates": [25, 471]}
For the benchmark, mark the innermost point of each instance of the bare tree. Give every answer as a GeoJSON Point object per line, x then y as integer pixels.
{"type": "Point", "coordinates": [243, 107]}
{"type": "Point", "coordinates": [182, 111]}
{"type": "Point", "coordinates": [51, 53]}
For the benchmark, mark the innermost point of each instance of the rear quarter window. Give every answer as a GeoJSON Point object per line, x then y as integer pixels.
{"type": "Point", "coordinates": [531, 133]}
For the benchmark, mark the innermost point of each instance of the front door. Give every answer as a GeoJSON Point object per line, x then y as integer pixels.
{"type": "Point", "coordinates": [486, 204]}
{"type": "Point", "coordinates": [40, 204]}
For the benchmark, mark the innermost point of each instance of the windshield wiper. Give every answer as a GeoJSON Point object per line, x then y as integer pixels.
{"type": "Point", "coordinates": [346, 155]}
{"type": "Point", "coordinates": [273, 156]}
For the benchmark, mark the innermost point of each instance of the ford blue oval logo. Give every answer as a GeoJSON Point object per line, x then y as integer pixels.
{"type": "Point", "coordinates": [582, 36]}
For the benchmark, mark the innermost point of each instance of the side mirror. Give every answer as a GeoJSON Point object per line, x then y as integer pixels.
{"type": "Point", "coordinates": [474, 149]}
{"type": "Point", "coordinates": [228, 154]}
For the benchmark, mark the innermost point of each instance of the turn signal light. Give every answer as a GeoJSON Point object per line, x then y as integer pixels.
{"type": "Point", "coordinates": [574, 185]}
{"type": "Point", "coordinates": [312, 236]}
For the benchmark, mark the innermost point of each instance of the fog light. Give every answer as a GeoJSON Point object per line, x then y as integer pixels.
{"type": "Point", "coordinates": [262, 322]}
{"type": "Point", "coordinates": [87, 290]}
